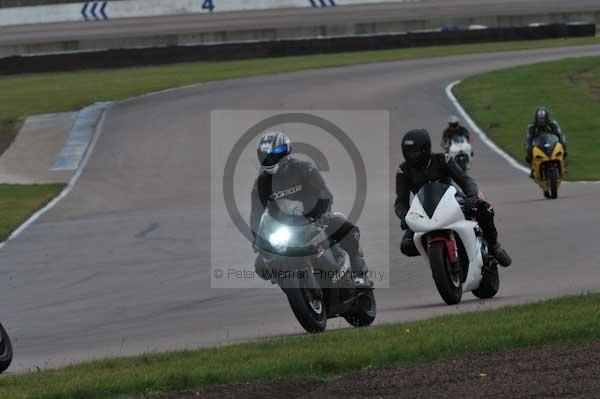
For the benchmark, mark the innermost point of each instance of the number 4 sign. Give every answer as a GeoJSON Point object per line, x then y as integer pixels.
{"type": "Point", "coordinates": [208, 5]}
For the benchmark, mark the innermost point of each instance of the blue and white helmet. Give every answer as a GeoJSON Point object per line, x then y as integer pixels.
{"type": "Point", "coordinates": [272, 147]}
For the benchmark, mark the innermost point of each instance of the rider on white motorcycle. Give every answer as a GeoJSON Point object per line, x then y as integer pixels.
{"type": "Point", "coordinates": [454, 129]}
{"type": "Point", "coordinates": [421, 167]}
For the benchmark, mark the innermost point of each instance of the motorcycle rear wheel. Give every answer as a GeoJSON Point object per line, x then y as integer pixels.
{"type": "Point", "coordinates": [552, 182]}
{"type": "Point", "coordinates": [365, 310]}
{"type": "Point", "coordinates": [490, 283]}
{"type": "Point", "coordinates": [553, 188]}
{"type": "Point", "coordinates": [6, 352]}
{"type": "Point", "coordinates": [447, 282]}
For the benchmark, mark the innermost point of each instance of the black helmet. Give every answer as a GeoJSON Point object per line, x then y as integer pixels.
{"type": "Point", "coordinates": [454, 122]}
{"type": "Point", "coordinates": [416, 148]}
{"type": "Point", "coordinates": [272, 147]}
{"type": "Point", "coordinates": [542, 116]}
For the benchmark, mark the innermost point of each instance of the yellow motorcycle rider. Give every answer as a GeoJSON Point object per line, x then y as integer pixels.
{"type": "Point", "coordinates": [546, 152]}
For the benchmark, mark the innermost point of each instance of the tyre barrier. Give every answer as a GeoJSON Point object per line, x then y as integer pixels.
{"type": "Point", "coordinates": [119, 58]}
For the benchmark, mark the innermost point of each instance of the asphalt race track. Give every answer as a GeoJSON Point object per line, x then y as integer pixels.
{"type": "Point", "coordinates": [287, 18]}
{"type": "Point", "coordinates": [122, 265]}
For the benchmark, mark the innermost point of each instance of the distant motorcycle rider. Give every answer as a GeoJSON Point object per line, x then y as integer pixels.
{"type": "Point", "coordinates": [294, 188]}
{"type": "Point", "coordinates": [542, 123]}
{"type": "Point", "coordinates": [454, 129]}
{"type": "Point", "coordinates": [421, 167]}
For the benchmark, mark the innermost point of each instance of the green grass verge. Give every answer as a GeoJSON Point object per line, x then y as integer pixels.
{"type": "Point", "coordinates": [503, 103]}
{"type": "Point", "coordinates": [23, 96]}
{"type": "Point", "coordinates": [567, 320]}
{"type": "Point", "coordinates": [19, 202]}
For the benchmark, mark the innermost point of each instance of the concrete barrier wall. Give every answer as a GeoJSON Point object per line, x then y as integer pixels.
{"type": "Point", "coordinates": [31, 3]}
{"type": "Point", "coordinates": [102, 9]}
{"type": "Point", "coordinates": [280, 48]}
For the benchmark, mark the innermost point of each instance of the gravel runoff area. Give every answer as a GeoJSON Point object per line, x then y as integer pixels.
{"type": "Point", "coordinates": [565, 371]}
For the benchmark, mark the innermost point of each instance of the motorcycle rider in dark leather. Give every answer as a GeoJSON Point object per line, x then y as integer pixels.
{"type": "Point", "coordinates": [295, 191]}
{"type": "Point", "coordinates": [542, 124]}
{"type": "Point", "coordinates": [454, 129]}
{"type": "Point", "coordinates": [421, 167]}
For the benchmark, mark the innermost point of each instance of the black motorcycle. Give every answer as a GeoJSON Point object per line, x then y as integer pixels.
{"type": "Point", "coordinates": [315, 275]}
{"type": "Point", "coordinates": [6, 353]}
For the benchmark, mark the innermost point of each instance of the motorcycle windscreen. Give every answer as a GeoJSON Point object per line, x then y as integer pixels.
{"type": "Point", "coordinates": [430, 196]}
{"type": "Point", "coordinates": [546, 142]}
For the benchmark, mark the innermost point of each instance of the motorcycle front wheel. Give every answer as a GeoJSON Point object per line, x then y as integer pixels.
{"type": "Point", "coordinates": [463, 162]}
{"type": "Point", "coordinates": [553, 187]}
{"type": "Point", "coordinates": [552, 181]}
{"type": "Point", "coordinates": [447, 280]}
{"type": "Point", "coordinates": [308, 306]}
{"type": "Point", "coordinates": [6, 353]}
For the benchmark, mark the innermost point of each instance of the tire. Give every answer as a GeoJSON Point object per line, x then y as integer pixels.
{"type": "Point", "coordinates": [463, 162]}
{"type": "Point", "coordinates": [490, 283]}
{"type": "Point", "coordinates": [6, 352]}
{"type": "Point", "coordinates": [365, 312]}
{"type": "Point", "coordinates": [450, 288]}
{"type": "Point", "coordinates": [312, 317]}
{"type": "Point", "coordinates": [553, 188]}
{"type": "Point", "coordinates": [553, 183]}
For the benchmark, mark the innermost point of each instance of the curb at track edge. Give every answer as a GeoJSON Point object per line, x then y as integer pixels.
{"type": "Point", "coordinates": [69, 187]}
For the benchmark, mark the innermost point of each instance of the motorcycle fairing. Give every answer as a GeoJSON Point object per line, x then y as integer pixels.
{"type": "Point", "coordinates": [547, 148]}
{"type": "Point", "coordinates": [459, 146]}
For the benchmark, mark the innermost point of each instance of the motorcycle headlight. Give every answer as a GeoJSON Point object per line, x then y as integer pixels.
{"type": "Point", "coordinates": [280, 239]}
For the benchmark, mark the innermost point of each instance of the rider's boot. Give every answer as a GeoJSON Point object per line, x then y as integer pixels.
{"type": "Point", "coordinates": [407, 245]}
{"type": "Point", "coordinates": [360, 271]}
{"type": "Point", "coordinates": [485, 218]}
{"type": "Point", "coordinates": [501, 255]}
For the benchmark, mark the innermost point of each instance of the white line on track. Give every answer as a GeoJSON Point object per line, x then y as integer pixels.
{"type": "Point", "coordinates": [480, 132]}
{"type": "Point", "coordinates": [69, 186]}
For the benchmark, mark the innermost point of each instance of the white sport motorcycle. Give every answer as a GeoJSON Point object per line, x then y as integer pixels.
{"type": "Point", "coordinates": [453, 245]}
{"type": "Point", "coordinates": [460, 149]}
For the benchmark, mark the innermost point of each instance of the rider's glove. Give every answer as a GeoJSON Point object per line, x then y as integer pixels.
{"type": "Point", "coordinates": [471, 204]}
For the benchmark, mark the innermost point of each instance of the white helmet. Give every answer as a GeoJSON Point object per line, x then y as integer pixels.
{"type": "Point", "coordinates": [454, 122]}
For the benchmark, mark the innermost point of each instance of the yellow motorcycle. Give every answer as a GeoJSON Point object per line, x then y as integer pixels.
{"type": "Point", "coordinates": [548, 164]}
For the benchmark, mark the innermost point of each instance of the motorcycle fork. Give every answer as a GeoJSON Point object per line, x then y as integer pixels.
{"type": "Point", "coordinates": [451, 245]}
